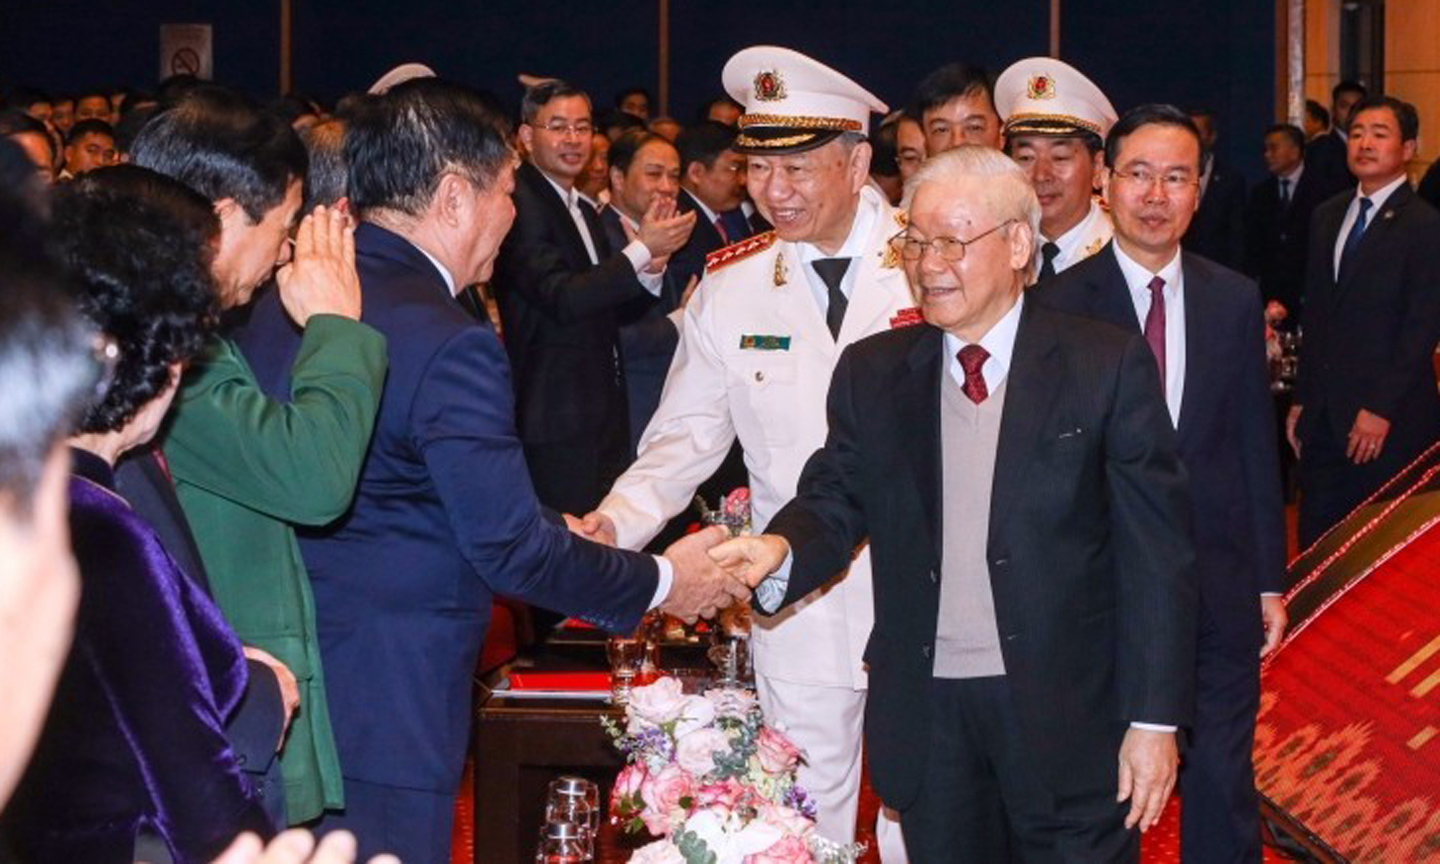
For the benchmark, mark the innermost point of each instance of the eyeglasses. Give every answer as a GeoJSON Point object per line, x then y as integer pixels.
{"type": "Point", "coordinates": [579, 130]}
{"type": "Point", "coordinates": [1174, 181]}
{"type": "Point", "coordinates": [950, 249]}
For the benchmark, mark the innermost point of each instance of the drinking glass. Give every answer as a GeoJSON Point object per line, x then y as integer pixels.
{"type": "Point", "coordinates": [565, 843]}
{"type": "Point", "coordinates": [568, 789]}
{"type": "Point", "coordinates": [627, 654]}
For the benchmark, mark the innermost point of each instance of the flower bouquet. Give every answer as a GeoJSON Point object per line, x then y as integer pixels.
{"type": "Point", "coordinates": [717, 785]}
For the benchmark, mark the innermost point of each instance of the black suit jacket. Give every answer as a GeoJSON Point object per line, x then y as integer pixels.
{"type": "Point", "coordinates": [254, 726]}
{"type": "Point", "coordinates": [561, 320]}
{"type": "Point", "coordinates": [647, 337]}
{"type": "Point", "coordinates": [1089, 544]}
{"type": "Point", "coordinates": [1226, 431]}
{"type": "Point", "coordinates": [1327, 158]}
{"type": "Point", "coordinates": [1276, 238]}
{"type": "Point", "coordinates": [1217, 230]}
{"type": "Point", "coordinates": [690, 260]}
{"type": "Point", "coordinates": [1370, 336]}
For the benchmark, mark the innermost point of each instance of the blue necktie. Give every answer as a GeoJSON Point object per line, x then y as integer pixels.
{"type": "Point", "coordinates": [1352, 240]}
{"type": "Point", "coordinates": [736, 227]}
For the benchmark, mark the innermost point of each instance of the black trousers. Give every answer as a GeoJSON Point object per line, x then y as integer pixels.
{"type": "Point", "coordinates": [1331, 485]}
{"type": "Point", "coordinates": [1220, 813]}
{"type": "Point", "coordinates": [983, 799]}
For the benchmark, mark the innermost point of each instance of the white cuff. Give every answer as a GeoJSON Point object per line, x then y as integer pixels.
{"type": "Point", "coordinates": [1154, 727]}
{"type": "Point", "coordinates": [770, 593]}
{"type": "Point", "coordinates": [665, 578]}
{"type": "Point", "coordinates": [639, 255]}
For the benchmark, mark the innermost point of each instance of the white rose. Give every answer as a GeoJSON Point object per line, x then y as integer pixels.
{"type": "Point", "coordinates": [656, 703]}
{"type": "Point", "coordinates": [697, 712]}
{"type": "Point", "coordinates": [696, 751]}
{"type": "Point", "coordinates": [659, 852]}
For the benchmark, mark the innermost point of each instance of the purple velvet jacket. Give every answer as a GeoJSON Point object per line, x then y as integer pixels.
{"type": "Point", "coordinates": [135, 739]}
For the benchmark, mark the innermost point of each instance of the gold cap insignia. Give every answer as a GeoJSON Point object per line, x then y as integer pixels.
{"type": "Point", "coordinates": [1041, 87]}
{"type": "Point", "coordinates": [769, 87]}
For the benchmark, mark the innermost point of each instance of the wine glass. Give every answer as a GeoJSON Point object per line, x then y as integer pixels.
{"type": "Point", "coordinates": [627, 655]}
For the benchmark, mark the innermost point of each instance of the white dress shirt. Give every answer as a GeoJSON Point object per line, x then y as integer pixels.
{"type": "Point", "coordinates": [998, 342]}
{"type": "Point", "coordinates": [853, 248]}
{"type": "Point", "coordinates": [1137, 278]}
{"type": "Point", "coordinates": [1377, 200]}
{"type": "Point", "coordinates": [637, 252]}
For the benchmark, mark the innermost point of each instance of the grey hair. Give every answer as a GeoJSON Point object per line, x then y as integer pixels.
{"type": "Point", "coordinates": [1007, 194]}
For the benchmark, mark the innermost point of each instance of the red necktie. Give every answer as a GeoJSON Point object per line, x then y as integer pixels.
{"type": "Point", "coordinates": [972, 357]}
{"type": "Point", "coordinates": [720, 226]}
{"type": "Point", "coordinates": [1155, 325]}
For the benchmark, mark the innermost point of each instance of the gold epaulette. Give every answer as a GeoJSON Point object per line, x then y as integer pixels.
{"type": "Point", "coordinates": [737, 251]}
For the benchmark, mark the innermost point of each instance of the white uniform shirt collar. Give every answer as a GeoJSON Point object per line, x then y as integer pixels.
{"type": "Point", "coordinates": [999, 343]}
{"type": "Point", "coordinates": [1379, 196]}
{"type": "Point", "coordinates": [1072, 238]}
{"type": "Point", "coordinates": [854, 245]}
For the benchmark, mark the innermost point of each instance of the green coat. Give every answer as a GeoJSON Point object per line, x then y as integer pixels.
{"type": "Point", "coordinates": [246, 469]}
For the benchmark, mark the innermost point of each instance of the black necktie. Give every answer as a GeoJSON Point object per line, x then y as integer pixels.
{"type": "Point", "coordinates": [1048, 252]}
{"type": "Point", "coordinates": [832, 271]}
{"type": "Point", "coordinates": [1284, 192]}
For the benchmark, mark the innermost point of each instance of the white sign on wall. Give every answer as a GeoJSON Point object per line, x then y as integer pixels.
{"type": "Point", "coordinates": [185, 49]}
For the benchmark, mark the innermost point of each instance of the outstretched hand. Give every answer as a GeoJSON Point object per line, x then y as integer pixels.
{"type": "Point", "coordinates": [751, 558]}
{"type": "Point", "coordinates": [700, 588]}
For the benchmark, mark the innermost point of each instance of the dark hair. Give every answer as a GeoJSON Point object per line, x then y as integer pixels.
{"type": "Point", "coordinates": [131, 122]}
{"type": "Point", "coordinates": [1294, 133]}
{"type": "Point", "coordinates": [91, 94]}
{"type": "Point", "coordinates": [703, 115]}
{"type": "Point", "coordinates": [137, 100]}
{"type": "Point", "coordinates": [292, 106]}
{"type": "Point", "coordinates": [400, 144]}
{"type": "Point", "coordinates": [175, 88]}
{"type": "Point", "coordinates": [19, 180]}
{"type": "Point", "coordinates": [1194, 111]}
{"type": "Point", "coordinates": [24, 97]}
{"type": "Point", "coordinates": [884, 161]}
{"type": "Point", "coordinates": [543, 94]}
{"type": "Point", "coordinates": [703, 143]}
{"type": "Point", "coordinates": [624, 149]}
{"type": "Point", "coordinates": [615, 123]}
{"type": "Point", "coordinates": [1319, 112]}
{"type": "Point", "coordinates": [1146, 115]}
{"type": "Point", "coordinates": [1404, 112]}
{"type": "Point", "coordinates": [89, 127]}
{"type": "Point", "coordinates": [138, 247]}
{"type": "Point", "coordinates": [1348, 86]}
{"type": "Point", "coordinates": [328, 178]}
{"type": "Point", "coordinates": [222, 146]}
{"type": "Point", "coordinates": [48, 365]}
{"type": "Point", "coordinates": [952, 81]}
{"type": "Point", "coordinates": [13, 121]}
{"type": "Point", "coordinates": [631, 91]}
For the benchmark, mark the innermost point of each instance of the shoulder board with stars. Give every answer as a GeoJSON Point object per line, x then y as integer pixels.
{"type": "Point", "coordinates": [738, 251]}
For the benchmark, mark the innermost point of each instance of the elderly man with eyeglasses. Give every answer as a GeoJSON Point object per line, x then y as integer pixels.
{"type": "Point", "coordinates": [1017, 478]}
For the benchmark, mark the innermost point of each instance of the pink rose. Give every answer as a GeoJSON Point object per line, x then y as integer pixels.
{"type": "Point", "coordinates": [696, 712]}
{"type": "Point", "coordinates": [662, 793]}
{"type": "Point", "coordinates": [790, 821]}
{"type": "Point", "coordinates": [725, 794]}
{"type": "Point", "coordinates": [777, 753]}
{"type": "Point", "coordinates": [696, 751]}
{"type": "Point", "coordinates": [790, 850]}
{"type": "Point", "coordinates": [627, 785]}
{"type": "Point", "coordinates": [658, 703]}
{"type": "Point", "coordinates": [659, 852]}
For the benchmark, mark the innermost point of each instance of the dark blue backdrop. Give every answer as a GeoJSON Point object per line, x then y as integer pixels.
{"type": "Point", "coordinates": [1220, 53]}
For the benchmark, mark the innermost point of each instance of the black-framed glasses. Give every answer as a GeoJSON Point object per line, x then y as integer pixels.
{"type": "Point", "coordinates": [950, 249]}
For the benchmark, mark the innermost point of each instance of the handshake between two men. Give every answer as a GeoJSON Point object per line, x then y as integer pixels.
{"type": "Point", "coordinates": [711, 571]}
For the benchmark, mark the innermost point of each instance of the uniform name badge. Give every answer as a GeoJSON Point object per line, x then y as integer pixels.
{"type": "Point", "coordinates": [750, 342]}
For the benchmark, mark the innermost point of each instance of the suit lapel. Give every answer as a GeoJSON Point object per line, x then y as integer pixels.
{"type": "Point", "coordinates": [559, 213]}
{"type": "Point", "coordinates": [1031, 391]}
{"type": "Point", "coordinates": [917, 400]}
{"type": "Point", "coordinates": [1201, 324]}
{"type": "Point", "coordinates": [1110, 295]}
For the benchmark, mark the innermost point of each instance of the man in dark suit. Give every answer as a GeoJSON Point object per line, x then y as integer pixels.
{"type": "Point", "coordinates": [1217, 230]}
{"type": "Point", "coordinates": [1277, 220]}
{"type": "Point", "coordinates": [1366, 402]}
{"type": "Point", "coordinates": [1206, 327]}
{"type": "Point", "coordinates": [1017, 476]}
{"type": "Point", "coordinates": [559, 287]}
{"type": "Point", "coordinates": [644, 172]}
{"type": "Point", "coordinates": [444, 515]}
{"type": "Point", "coordinates": [1326, 156]}
{"type": "Point", "coordinates": [712, 185]}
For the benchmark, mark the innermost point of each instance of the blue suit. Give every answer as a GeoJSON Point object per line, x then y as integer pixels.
{"type": "Point", "coordinates": [1229, 449]}
{"type": "Point", "coordinates": [444, 517]}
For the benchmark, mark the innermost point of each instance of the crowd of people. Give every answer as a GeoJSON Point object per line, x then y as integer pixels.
{"type": "Point", "coordinates": [289, 396]}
